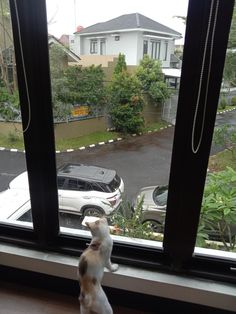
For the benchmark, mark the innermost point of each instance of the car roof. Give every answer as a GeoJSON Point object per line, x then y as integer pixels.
{"type": "Point", "coordinates": [11, 201]}
{"type": "Point", "coordinates": [86, 172]}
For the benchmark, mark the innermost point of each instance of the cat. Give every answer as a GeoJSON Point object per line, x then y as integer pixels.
{"type": "Point", "coordinates": [91, 269]}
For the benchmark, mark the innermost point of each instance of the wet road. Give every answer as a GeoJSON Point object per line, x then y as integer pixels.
{"type": "Point", "coordinates": [140, 161]}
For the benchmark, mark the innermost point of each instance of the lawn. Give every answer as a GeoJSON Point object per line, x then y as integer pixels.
{"type": "Point", "coordinates": [13, 140]}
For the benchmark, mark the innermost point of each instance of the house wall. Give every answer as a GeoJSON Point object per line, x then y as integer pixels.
{"type": "Point", "coordinates": [130, 44]}
{"type": "Point", "coordinates": [125, 45]}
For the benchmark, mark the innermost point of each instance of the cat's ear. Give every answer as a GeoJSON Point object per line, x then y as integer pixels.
{"type": "Point", "coordinates": [95, 245]}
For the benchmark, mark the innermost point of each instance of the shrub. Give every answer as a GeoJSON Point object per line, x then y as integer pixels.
{"type": "Point", "coordinates": [233, 101]}
{"type": "Point", "coordinates": [222, 103]}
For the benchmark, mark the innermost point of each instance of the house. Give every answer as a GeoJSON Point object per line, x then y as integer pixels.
{"type": "Point", "coordinates": [131, 34]}
{"type": "Point", "coordinates": [70, 55]}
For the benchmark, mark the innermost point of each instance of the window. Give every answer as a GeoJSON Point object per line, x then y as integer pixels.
{"type": "Point", "coordinates": [102, 47]}
{"type": "Point", "coordinates": [166, 50]}
{"type": "Point", "coordinates": [93, 46]}
{"type": "Point", "coordinates": [155, 49]}
{"type": "Point", "coordinates": [145, 47]}
{"type": "Point", "coordinates": [189, 159]}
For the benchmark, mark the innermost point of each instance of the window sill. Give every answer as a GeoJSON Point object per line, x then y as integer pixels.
{"type": "Point", "coordinates": [177, 287]}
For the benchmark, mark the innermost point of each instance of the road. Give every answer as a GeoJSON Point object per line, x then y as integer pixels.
{"type": "Point", "coordinates": [140, 161]}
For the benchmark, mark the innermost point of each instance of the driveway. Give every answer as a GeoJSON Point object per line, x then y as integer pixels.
{"type": "Point", "coordinates": [140, 161]}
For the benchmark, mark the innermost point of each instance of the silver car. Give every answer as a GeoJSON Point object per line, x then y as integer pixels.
{"type": "Point", "coordinates": [153, 200]}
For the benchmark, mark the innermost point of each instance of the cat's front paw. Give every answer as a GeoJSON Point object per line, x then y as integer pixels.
{"type": "Point", "coordinates": [114, 267]}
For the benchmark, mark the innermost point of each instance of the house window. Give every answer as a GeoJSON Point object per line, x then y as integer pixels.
{"type": "Point", "coordinates": [102, 47]}
{"type": "Point", "coordinates": [145, 47]}
{"type": "Point", "coordinates": [93, 46]}
{"type": "Point", "coordinates": [155, 49]}
{"type": "Point", "coordinates": [189, 161]}
{"type": "Point", "coordinates": [166, 50]}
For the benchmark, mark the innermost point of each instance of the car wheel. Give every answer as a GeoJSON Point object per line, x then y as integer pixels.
{"type": "Point", "coordinates": [93, 211]}
{"type": "Point", "coordinates": [154, 225]}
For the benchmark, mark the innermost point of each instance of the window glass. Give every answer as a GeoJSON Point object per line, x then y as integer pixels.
{"type": "Point", "coordinates": [217, 227]}
{"type": "Point", "coordinates": [116, 110]}
{"type": "Point", "coordinates": [12, 156]}
{"type": "Point", "coordinates": [145, 47]}
{"type": "Point", "coordinates": [93, 46]}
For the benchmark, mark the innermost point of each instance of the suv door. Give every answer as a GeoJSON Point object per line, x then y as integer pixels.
{"type": "Point", "coordinates": [73, 194]}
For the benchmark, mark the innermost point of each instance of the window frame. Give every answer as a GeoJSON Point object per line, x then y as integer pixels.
{"type": "Point", "coordinates": [178, 245]}
{"type": "Point", "coordinates": [93, 46]}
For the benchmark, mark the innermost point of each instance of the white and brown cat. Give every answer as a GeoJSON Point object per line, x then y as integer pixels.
{"type": "Point", "coordinates": [91, 269]}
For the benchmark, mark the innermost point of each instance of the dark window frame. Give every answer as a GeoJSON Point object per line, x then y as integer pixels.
{"type": "Point", "coordinates": [178, 245]}
{"type": "Point", "coordinates": [93, 46]}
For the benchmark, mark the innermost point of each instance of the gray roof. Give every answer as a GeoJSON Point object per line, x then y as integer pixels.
{"type": "Point", "coordinates": [129, 21]}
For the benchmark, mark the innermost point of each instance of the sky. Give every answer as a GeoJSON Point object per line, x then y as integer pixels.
{"type": "Point", "coordinates": [65, 15]}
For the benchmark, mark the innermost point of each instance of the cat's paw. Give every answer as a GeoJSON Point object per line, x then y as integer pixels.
{"type": "Point", "coordinates": [114, 267]}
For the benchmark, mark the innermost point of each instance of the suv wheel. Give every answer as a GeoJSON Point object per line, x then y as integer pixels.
{"type": "Point", "coordinates": [93, 211]}
{"type": "Point", "coordinates": [155, 225]}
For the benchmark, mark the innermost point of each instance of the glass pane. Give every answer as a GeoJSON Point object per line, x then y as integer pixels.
{"type": "Point", "coordinates": [14, 193]}
{"type": "Point", "coordinates": [217, 228]}
{"type": "Point", "coordinates": [115, 114]}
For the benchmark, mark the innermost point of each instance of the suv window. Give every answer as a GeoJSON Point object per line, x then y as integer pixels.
{"type": "Point", "coordinates": [114, 184]}
{"type": "Point", "coordinates": [100, 187]}
{"type": "Point", "coordinates": [78, 185]}
{"type": "Point", "coordinates": [60, 182]}
{"type": "Point", "coordinates": [27, 216]}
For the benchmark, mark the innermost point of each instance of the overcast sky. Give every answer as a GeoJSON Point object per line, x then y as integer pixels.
{"type": "Point", "coordinates": [65, 15]}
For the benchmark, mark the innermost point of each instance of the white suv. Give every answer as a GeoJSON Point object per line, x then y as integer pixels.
{"type": "Point", "coordinates": [87, 190]}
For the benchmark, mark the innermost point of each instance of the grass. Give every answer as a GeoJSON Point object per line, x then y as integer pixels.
{"type": "Point", "coordinates": [155, 126]}
{"type": "Point", "coordinates": [86, 140]}
{"type": "Point", "coordinates": [226, 108]}
{"type": "Point", "coordinates": [13, 140]}
{"type": "Point", "coordinates": [222, 160]}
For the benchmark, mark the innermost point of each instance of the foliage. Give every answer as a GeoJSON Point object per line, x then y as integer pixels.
{"type": "Point", "coordinates": [74, 85]}
{"type": "Point", "coordinates": [232, 35]}
{"type": "Point", "coordinates": [152, 79]}
{"type": "Point", "coordinates": [225, 136]}
{"type": "Point", "coordinates": [233, 101]}
{"type": "Point", "coordinates": [218, 212]}
{"type": "Point", "coordinates": [131, 225]}
{"type": "Point", "coordinates": [230, 68]}
{"type": "Point", "coordinates": [120, 65]}
{"type": "Point", "coordinates": [9, 104]}
{"type": "Point", "coordinates": [125, 102]}
{"type": "Point", "coordinates": [57, 57]}
{"type": "Point", "coordinates": [222, 103]}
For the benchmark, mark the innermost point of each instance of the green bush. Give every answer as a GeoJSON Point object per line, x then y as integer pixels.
{"type": "Point", "coordinates": [218, 212]}
{"type": "Point", "coordinates": [233, 101]}
{"type": "Point", "coordinates": [222, 103]}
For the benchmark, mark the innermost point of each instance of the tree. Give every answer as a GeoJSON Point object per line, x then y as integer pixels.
{"type": "Point", "coordinates": [225, 136]}
{"type": "Point", "coordinates": [125, 100]}
{"type": "Point", "coordinates": [230, 68]}
{"type": "Point", "coordinates": [152, 79]}
{"type": "Point", "coordinates": [232, 34]}
{"type": "Point", "coordinates": [121, 64]}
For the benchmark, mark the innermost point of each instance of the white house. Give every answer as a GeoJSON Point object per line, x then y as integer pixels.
{"type": "Point", "coordinates": [131, 34]}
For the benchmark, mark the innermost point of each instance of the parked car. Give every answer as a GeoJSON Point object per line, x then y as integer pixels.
{"type": "Point", "coordinates": [15, 207]}
{"type": "Point", "coordinates": [84, 189]}
{"type": "Point", "coordinates": [154, 201]}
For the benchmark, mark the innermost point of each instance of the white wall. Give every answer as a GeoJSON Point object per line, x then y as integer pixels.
{"type": "Point", "coordinates": [126, 45]}
{"type": "Point", "coordinates": [130, 44]}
